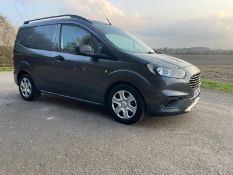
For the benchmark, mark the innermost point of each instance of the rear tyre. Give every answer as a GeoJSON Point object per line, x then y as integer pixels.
{"type": "Point", "coordinates": [27, 88]}
{"type": "Point", "coordinates": [126, 104]}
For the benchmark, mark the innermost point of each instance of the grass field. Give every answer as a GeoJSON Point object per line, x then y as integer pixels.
{"type": "Point", "coordinates": [220, 73]}
{"type": "Point", "coordinates": [2, 69]}
{"type": "Point", "coordinates": [208, 60]}
{"type": "Point", "coordinates": [216, 85]}
{"type": "Point", "coordinates": [216, 70]}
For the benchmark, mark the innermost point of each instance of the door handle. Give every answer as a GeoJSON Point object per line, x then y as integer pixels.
{"type": "Point", "coordinates": [59, 58]}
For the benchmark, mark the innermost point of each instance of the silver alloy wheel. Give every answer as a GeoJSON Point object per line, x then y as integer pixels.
{"type": "Point", "coordinates": [124, 104]}
{"type": "Point", "coordinates": [25, 87]}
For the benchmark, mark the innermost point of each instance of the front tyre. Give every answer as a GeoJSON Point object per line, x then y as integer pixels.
{"type": "Point", "coordinates": [27, 88]}
{"type": "Point", "coordinates": [126, 104]}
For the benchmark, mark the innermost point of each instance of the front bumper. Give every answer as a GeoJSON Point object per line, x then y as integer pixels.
{"type": "Point", "coordinates": [173, 96]}
{"type": "Point", "coordinates": [193, 104]}
{"type": "Point", "coordinates": [173, 105]}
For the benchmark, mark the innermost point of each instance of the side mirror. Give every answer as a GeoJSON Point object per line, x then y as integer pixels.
{"type": "Point", "coordinates": [84, 49]}
{"type": "Point", "coordinates": [87, 50]}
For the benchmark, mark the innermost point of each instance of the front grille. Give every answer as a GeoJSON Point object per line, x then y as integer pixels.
{"type": "Point", "coordinates": [195, 81]}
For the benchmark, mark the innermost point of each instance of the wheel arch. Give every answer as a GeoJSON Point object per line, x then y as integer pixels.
{"type": "Point", "coordinates": [24, 67]}
{"type": "Point", "coordinates": [20, 73]}
{"type": "Point", "coordinates": [117, 83]}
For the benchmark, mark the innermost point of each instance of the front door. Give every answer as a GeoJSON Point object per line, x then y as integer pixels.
{"type": "Point", "coordinates": [77, 75]}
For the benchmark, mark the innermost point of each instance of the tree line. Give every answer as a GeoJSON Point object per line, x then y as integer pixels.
{"type": "Point", "coordinates": [194, 51]}
{"type": "Point", "coordinates": [7, 38]}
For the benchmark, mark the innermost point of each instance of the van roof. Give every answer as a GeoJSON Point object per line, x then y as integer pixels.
{"type": "Point", "coordinates": [56, 19]}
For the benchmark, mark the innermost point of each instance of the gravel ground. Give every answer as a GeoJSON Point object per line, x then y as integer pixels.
{"type": "Point", "coordinates": [61, 136]}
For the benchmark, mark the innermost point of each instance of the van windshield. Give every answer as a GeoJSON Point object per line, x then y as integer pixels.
{"type": "Point", "coordinates": [123, 40]}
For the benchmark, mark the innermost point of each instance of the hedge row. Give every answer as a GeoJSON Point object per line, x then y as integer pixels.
{"type": "Point", "coordinates": [6, 56]}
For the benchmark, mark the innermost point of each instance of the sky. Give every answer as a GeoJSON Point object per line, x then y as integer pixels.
{"type": "Point", "coordinates": [159, 23]}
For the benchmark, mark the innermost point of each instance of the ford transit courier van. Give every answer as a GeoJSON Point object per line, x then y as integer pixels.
{"type": "Point", "coordinates": [94, 62]}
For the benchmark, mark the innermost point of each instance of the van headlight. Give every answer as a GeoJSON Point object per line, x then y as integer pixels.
{"type": "Point", "coordinates": [167, 71]}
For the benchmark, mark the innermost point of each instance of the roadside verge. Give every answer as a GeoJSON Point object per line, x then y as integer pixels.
{"type": "Point", "coordinates": [216, 85]}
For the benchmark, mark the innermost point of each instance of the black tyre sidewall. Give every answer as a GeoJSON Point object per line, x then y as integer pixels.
{"type": "Point", "coordinates": [35, 94]}
{"type": "Point", "coordinates": [140, 104]}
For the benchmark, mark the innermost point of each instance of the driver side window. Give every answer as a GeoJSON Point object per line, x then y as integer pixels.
{"type": "Point", "coordinates": [74, 36]}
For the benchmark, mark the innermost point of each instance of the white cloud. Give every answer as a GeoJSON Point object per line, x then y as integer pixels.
{"type": "Point", "coordinates": [209, 32]}
{"type": "Point", "coordinates": [89, 9]}
{"type": "Point", "coordinates": [212, 31]}
{"type": "Point", "coordinates": [107, 7]}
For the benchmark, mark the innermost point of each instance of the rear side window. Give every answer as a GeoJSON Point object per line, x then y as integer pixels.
{"type": "Point", "coordinates": [41, 37]}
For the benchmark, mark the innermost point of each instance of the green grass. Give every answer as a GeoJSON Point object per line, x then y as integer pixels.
{"type": "Point", "coordinates": [216, 85]}
{"type": "Point", "coordinates": [6, 69]}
